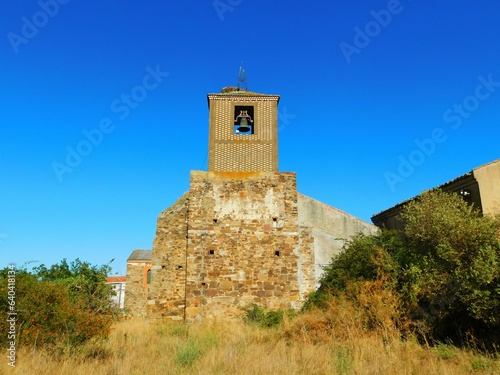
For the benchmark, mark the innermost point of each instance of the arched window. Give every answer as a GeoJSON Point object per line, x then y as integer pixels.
{"type": "Point", "coordinates": [149, 277]}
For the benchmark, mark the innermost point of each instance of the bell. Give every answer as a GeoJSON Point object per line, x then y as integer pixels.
{"type": "Point", "coordinates": [243, 128]}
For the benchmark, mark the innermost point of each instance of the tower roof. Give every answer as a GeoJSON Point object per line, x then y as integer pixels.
{"type": "Point", "coordinates": [233, 91]}
{"type": "Point", "coordinates": [144, 255]}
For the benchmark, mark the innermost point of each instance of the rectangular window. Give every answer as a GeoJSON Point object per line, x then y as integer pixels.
{"type": "Point", "coordinates": [243, 120]}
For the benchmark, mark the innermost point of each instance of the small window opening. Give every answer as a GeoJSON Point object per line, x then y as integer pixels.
{"type": "Point", "coordinates": [277, 253]}
{"type": "Point", "coordinates": [211, 252]}
{"type": "Point", "coordinates": [243, 120]}
{"type": "Point", "coordinates": [179, 267]}
{"type": "Point", "coordinates": [275, 219]}
{"type": "Point", "coordinates": [149, 277]}
{"type": "Point", "coordinates": [215, 220]}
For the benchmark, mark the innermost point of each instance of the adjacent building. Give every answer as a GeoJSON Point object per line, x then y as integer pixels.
{"type": "Point", "coordinates": [479, 187]}
{"type": "Point", "coordinates": [138, 280]}
{"type": "Point", "coordinates": [118, 284]}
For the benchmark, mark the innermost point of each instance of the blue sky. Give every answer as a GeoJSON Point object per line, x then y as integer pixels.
{"type": "Point", "coordinates": [103, 108]}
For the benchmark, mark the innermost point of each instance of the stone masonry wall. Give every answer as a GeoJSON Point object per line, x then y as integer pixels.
{"type": "Point", "coordinates": [166, 295]}
{"type": "Point", "coordinates": [136, 292]}
{"type": "Point", "coordinates": [244, 245]}
{"type": "Point", "coordinates": [233, 240]}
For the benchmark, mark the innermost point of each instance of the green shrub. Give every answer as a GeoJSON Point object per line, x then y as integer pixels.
{"type": "Point", "coordinates": [266, 318]}
{"type": "Point", "coordinates": [59, 308]}
{"type": "Point", "coordinates": [364, 258]}
{"type": "Point", "coordinates": [455, 268]}
{"type": "Point", "coordinates": [188, 353]}
{"type": "Point", "coordinates": [344, 361]}
{"type": "Point", "coordinates": [83, 281]}
{"type": "Point", "coordinates": [443, 268]}
{"type": "Point", "coordinates": [195, 346]}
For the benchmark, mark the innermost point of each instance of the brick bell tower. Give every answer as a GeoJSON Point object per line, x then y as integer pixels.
{"type": "Point", "coordinates": [243, 131]}
{"type": "Point", "coordinates": [234, 238]}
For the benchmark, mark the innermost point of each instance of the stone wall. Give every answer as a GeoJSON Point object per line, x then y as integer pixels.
{"type": "Point", "coordinates": [238, 238]}
{"type": "Point", "coordinates": [136, 291]}
{"type": "Point", "coordinates": [244, 245]}
{"type": "Point", "coordinates": [166, 296]}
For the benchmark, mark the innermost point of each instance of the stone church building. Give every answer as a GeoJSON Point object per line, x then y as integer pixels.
{"type": "Point", "coordinates": [242, 234]}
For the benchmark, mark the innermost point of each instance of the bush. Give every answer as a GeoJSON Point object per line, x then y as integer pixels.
{"type": "Point", "coordinates": [266, 318]}
{"type": "Point", "coordinates": [61, 307]}
{"type": "Point", "coordinates": [443, 269]}
{"type": "Point", "coordinates": [364, 258]}
{"type": "Point", "coordinates": [82, 281]}
{"type": "Point", "coordinates": [457, 258]}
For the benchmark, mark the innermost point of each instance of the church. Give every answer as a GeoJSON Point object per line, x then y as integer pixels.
{"type": "Point", "coordinates": [242, 234]}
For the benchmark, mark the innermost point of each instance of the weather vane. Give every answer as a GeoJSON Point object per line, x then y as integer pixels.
{"type": "Point", "coordinates": [242, 78]}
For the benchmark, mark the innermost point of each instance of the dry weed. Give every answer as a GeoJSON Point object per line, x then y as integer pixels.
{"type": "Point", "coordinates": [330, 342]}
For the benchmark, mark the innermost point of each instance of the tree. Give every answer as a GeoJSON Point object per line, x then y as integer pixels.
{"type": "Point", "coordinates": [59, 307]}
{"type": "Point", "coordinates": [455, 252]}
{"type": "Point", "coordinates": [82, 280]}
{"type": "Point", "coordinates": [444, 266]}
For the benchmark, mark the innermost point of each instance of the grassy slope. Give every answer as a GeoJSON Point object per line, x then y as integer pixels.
{"type": "Point", "coordinates": [331, 342]}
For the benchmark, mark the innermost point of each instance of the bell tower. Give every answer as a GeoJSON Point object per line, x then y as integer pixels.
{"type": "Point", "coordinates": [243, 131]}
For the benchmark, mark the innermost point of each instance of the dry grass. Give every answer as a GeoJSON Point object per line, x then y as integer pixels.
{"type": "Point", "coordinates": [320, 342]}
